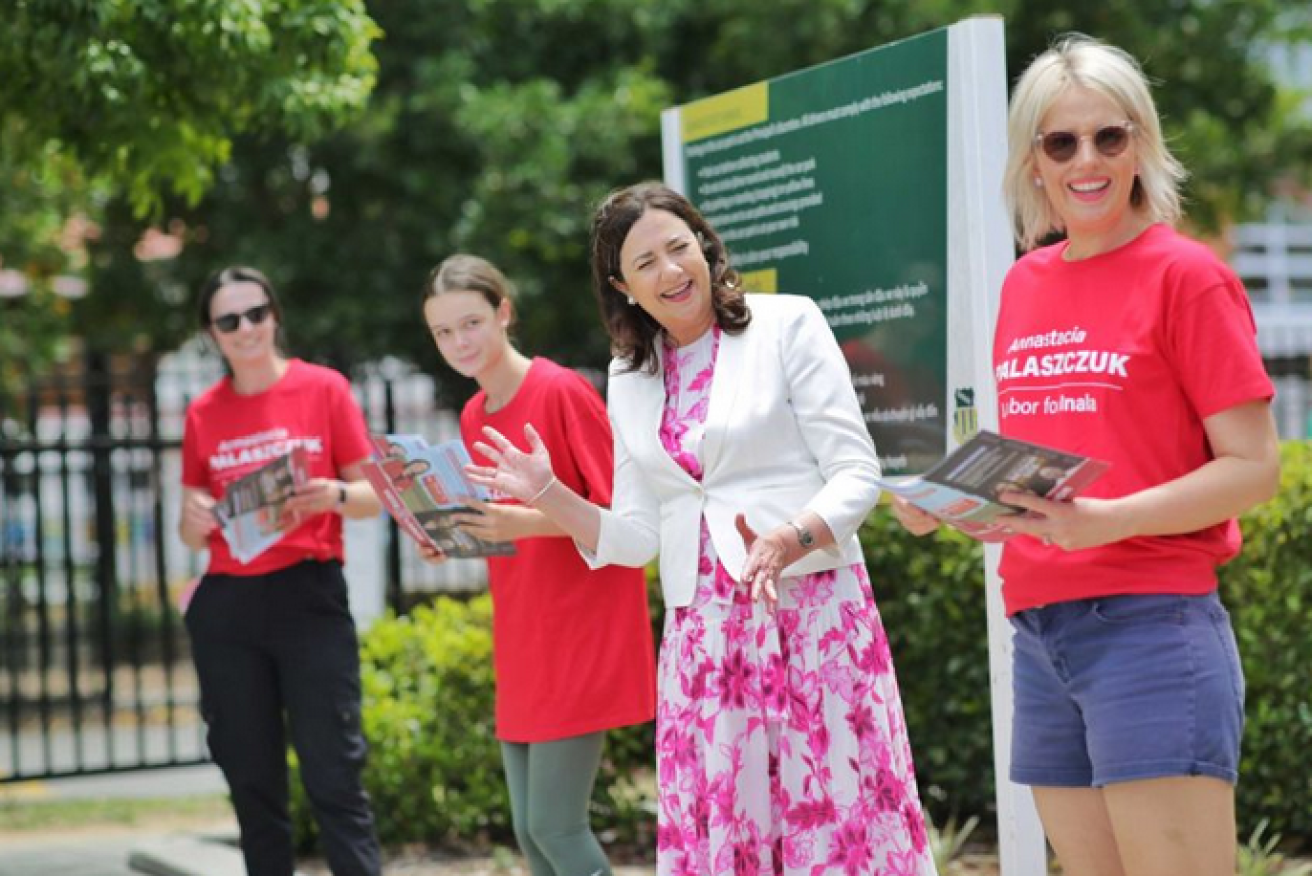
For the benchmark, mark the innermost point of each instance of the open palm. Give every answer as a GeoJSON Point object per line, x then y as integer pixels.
{"type": "Point", "coordinates": [513, 473]}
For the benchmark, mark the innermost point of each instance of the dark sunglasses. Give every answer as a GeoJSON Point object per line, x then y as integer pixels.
{"type": "Point", "coordinates": [229, 322]}
{"type": "Point", "coordinates": [1109, 140]}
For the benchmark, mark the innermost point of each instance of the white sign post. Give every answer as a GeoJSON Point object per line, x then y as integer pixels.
{"type": "Point", "coordinates": [980, 252]}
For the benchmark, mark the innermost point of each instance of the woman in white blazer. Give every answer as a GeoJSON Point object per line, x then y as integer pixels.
{"type": "Point", "coordinates": [743, 463]}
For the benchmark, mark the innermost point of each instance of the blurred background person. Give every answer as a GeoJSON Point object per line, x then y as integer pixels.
{"type": "Point", "coordinates": [273, 639]}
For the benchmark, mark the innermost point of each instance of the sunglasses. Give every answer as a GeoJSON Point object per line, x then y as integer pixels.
{"type": "Point", "coordinates": [1109, 140]}
{"type": "Point", "coordinates": [230, 322]}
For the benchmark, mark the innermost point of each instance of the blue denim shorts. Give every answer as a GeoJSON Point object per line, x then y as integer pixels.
{"type": "Point", "coordinates": [1122, 688]}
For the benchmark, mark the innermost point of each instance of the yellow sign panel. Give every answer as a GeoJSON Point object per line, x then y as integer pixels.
{"type": "Point", "coordinates": [761, 281]}
{"type": "Point", "coordinates": [749, 105]}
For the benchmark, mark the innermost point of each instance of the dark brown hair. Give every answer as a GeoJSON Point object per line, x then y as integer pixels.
{"type": "Point", "coordinates": [239, 274]}
{"type": "Point", "coordinates": [632, 330]}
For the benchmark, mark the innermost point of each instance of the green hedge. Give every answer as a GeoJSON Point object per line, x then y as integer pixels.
{"type": "Point", "coordinates": [1268, 590]}
{"type": "Point", "coordinates": [931, 595]}
{"type": "Point", "coordinates": [434, 770]}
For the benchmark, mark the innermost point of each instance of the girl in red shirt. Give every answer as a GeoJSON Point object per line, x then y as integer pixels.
{"type": "Point", "coordinates": [572, 647]}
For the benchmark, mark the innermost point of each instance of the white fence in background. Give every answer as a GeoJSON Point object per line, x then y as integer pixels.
{"type": "Point", "coordinates": [1274, 259]}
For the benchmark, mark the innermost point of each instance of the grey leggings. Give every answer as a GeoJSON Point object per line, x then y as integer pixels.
{"type": "Point", "coordinates": [550, 788]}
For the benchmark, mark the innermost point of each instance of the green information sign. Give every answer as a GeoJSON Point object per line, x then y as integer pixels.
{"type": "Point", "coordinates": [832, 183]}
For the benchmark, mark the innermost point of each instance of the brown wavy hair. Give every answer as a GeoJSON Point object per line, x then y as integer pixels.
{"type": "Point", "coordinates": [633, 332]}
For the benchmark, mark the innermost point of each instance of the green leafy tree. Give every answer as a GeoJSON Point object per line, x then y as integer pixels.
{"type": "Point", "coordinates": [494, 128]}
{"type": "Point", "coordinates": [142, 100]}
{"type": "Point", "coordinates": [150, 93]}
{"type": "Point", "coordinates": [497, 124]}
{"type": "Point", "coordinates": [36, 201]}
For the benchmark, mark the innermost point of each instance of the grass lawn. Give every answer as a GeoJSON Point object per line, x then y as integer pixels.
{"type": "Point", "coordinates": [23, 815]}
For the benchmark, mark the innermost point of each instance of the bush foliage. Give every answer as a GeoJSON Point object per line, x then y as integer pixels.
{"type": "Point", "coordinates": [435, 775]}
{"type": "Point", "coordinates": [1268, 590]}
{"type": "Point", "coordinates": [434, 769]}
{"type": "Point", "coordinates": [931, 595]}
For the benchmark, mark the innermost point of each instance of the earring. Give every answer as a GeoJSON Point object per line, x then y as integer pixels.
{"type": "Point", "coordinates": [631, 301]}
{"type": "Point", "coordinates": [1038, 182]}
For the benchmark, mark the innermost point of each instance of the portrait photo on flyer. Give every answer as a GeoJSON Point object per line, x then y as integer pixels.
{"type": "Point", "coordinates": [250, 512]}
{"type": "Point", "coordinates": [423, 486]}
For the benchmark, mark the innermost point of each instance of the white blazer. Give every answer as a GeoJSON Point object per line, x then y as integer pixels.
{"type": "Point", "coordinates": [784, 434]}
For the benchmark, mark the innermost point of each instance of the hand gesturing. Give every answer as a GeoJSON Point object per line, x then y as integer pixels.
{"type": "Point", "coordinates": [513, 472]}
{"type": "Point", "coordinates": [765, 562]}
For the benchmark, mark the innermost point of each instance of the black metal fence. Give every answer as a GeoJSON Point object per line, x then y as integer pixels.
{"type": "Point", "coordinates": [91, 649]}
{"type": "Point", "coordinates": [95, 669]}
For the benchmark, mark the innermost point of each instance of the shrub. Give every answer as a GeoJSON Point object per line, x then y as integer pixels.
{"type": "Point", "coordinates": [435, 773]}
{"type": "Point", "coordinates": [434, 769]}
{"type": "Point", "coordinates": [434, 765]}
{"type": "Point", "coordinates": [930, 593]}
{"type": "Point", "coordinates": [1268, 590]}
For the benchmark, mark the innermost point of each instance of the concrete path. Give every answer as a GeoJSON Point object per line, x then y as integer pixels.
{"type": "Point", "coordinates": [180, 849]}
{"type": "Point", "coordinates": [106, 850]}
{"type": "Point", "coordinates": [104, 857]}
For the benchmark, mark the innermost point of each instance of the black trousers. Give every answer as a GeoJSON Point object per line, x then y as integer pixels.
{"type": "Point", "coordinates": [278, 653]}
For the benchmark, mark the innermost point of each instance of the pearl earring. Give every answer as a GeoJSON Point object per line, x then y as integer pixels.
{"type": "Point", "coordinates": [1038, 182]}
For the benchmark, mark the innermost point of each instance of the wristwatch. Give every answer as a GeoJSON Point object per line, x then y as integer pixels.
{"type": "Point", "coordinates": [804, 536]}
{"type": "Point", "coordinates": [341, 495]}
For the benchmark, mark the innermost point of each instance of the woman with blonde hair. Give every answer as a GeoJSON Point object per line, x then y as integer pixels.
{"type": "Point", "coordinates": [1127, 685]}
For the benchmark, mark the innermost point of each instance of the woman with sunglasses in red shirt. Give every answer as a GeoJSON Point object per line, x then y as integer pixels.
{"type": "Point", "coordinates": [1128, 342]}
{"type": "Point", "coordinates": [273, 636]}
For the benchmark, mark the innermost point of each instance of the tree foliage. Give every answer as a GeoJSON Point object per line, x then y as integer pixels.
{"type": "Point", "coordinates": [150, 93]}
{"type": "Point", "coordinates": [496, 125]}
{"type": "Point", "coordinates": [141, 101]}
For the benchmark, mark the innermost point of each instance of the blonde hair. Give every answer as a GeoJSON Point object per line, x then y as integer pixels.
{"type": "Point", "coordinates": [1076, 60]}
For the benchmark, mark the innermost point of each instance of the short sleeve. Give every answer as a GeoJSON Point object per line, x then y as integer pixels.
{"type": "Point", "coordinates": [195, 473]}
{"type": "Point", "coordinates": [350, 434]}
{"type": "Point", "coordinates": [587, 432]}
{"type": "Point", "coordinates": [1212, 343]}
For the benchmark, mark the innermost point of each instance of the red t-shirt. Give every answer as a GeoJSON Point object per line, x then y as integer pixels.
{"type": "Point", "coordinates": [1121, 357]}
{"type": "Point", "coordinates": [229, 435]}
{"type": "Point", "coordinates": [572, 647]}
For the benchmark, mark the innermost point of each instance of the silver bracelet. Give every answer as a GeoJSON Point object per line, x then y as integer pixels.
{"type": "Point", "coordinates": [804, 536]}
{"type": "Point", "coordinates": [540, 493]}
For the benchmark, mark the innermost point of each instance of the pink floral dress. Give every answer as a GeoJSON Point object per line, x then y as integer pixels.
{"type": "Point", "coordinates": [781, 746]}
